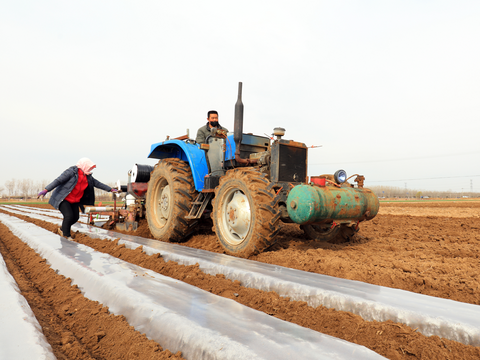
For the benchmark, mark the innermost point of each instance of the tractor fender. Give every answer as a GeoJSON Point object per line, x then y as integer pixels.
{"type": "Point", "coordinates": [191, 153]}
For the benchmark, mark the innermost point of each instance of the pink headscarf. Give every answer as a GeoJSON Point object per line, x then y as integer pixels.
{"type": "Point", "coordinates": [86, 165]}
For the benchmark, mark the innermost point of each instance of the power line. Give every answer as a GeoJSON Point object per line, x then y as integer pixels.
{"type": "Point", "coordinates": [434, 178]}
{"type": "Point", "coordinates": [399, 159]}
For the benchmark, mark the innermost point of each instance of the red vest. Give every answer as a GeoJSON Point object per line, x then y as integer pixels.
{"type": "Point", "coordinates": [77, 192]}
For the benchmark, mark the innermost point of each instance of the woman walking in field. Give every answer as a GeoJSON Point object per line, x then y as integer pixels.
{"type": "Point", "coordinates": [74, 188]}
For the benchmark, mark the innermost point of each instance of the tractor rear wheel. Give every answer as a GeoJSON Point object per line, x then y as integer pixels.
{"type": "Point", "coordinates": [170, 193]}
{"type": "Point", "coordinates": [245, 213]}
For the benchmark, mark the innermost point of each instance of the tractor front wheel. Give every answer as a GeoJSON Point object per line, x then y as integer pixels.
{"type": "Point", "coordinates": [170, 193]}
{"type": "Point", "coordinates": [245, 213]}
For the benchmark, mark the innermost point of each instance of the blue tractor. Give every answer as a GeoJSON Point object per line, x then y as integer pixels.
{"type": "Point", "coordinates": [248, 184]}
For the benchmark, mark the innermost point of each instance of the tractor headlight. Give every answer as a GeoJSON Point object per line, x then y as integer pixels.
{"type": "Point", "coordinates": [340, 176]}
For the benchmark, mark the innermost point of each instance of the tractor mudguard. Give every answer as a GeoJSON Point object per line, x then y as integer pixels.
{"type": "Point", "coordinates": [184, 151]}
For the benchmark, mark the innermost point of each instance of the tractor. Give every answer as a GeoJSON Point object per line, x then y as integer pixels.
{"type": "Point", "coordinates": [247, 184]}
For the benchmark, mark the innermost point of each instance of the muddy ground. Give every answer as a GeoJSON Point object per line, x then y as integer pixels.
{"type": "Point", "coordinates": [429, 247]}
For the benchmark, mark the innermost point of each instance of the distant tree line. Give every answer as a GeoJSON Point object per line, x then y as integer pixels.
{"type": "Point", "coordinates": [27, 189]}
{"type": "Point", "coordinates": [397, 192]}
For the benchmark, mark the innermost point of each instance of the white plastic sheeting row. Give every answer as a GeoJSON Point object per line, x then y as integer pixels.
{"type": "Point", "coordinates": [431, 315]}
{"type": "Point", "coordinates": [21, 336]}
{"type": "Point", "coordinates": [55, 213]}
{"type": "Point", "coordinates": [180, 317]}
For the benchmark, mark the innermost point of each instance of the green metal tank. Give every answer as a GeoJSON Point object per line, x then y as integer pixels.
{"type": "Point", "coordinates": [311, 204]}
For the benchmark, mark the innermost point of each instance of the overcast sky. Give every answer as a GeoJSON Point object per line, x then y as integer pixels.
{"type": "Point", "coordinates": [390, 89]}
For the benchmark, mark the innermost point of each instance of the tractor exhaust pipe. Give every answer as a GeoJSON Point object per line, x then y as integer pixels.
{"type": "Point", "coordinates": [238, 121]}
{"type": "Point", "coordinates": [238, 129]}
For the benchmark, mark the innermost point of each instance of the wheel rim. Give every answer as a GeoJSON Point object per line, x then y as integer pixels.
{"type": "Point", "coordinates": [236, 216]}
{"type": "Point", "coordinates": [163, 202]}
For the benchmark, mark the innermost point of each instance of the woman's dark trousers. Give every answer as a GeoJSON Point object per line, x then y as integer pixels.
{"type": "Point", "coordinates": [71, 214]}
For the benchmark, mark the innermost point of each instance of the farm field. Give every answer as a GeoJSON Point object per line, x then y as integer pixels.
{"type": "Point", "coordinates": [431, 248]}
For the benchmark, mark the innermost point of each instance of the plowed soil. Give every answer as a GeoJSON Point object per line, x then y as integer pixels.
{"type": "Point", "coordinates": [431, 248]}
